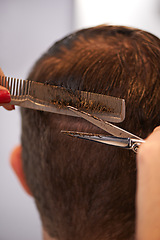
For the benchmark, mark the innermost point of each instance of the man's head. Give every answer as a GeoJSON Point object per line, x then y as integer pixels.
{"type": "Point", "coordinates": [86, 190]}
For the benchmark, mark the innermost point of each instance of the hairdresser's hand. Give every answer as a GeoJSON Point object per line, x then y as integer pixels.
{"type": "Point", "coordinates": [5, 96]}
{"type": "Point", "coordinates": [148, 188]}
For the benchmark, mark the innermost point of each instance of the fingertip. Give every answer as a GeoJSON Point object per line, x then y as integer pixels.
{"type": "Point", "coordinates": [13, 107]}
{"type": "Point", "coordinates": [1, 72]}
{"type": "Point", "coordinates": [8, 107]}
{"type": "Point", "coordinates": [157, 129]}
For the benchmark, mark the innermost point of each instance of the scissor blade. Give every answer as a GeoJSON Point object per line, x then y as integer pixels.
{"type": "Point", "coordinates": [109, 140]}
{"type": "Point", "coordinates": [106, 126]}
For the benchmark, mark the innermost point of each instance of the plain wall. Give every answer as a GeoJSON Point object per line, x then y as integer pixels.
{"type": "Point", "coordinates": [27, 29]}
{"type": "Point", "coordinates": [143, 14]}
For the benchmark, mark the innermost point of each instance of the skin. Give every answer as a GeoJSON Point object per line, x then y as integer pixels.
{"type": "Point", "coordinates": [148, 188]}
{"type": "Point", "coordinates": [148, 184]}
{"type": "Point", "coordinates": [16, 163]}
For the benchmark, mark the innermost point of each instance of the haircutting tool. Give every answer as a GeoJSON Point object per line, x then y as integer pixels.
{"type": "Point", "coordinates": [120, 138]}
{"type": "Point", "coordinates": [44, 97]}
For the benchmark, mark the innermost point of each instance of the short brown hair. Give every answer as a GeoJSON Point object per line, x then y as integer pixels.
{"type": "Point", "coordinates": [85, 190]}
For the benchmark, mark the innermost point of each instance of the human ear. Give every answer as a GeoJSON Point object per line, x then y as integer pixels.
{"type": "Point", "coordinates": [16, 163]}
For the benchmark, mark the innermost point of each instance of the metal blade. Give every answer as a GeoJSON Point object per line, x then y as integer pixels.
{"type": "Point", "coordinates": [109, 140]}
{"type": "Point", "coordinates": [106, 126]}
{"type": "Point", "coordinates": [127, 143]}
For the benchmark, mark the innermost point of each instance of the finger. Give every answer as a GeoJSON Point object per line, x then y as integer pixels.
{"type": "Point", "coordinates": [157, 129]}
{"type": "Point", "coordinates": [1, 72]}
{"type": "Point", "coordinates": [9, 107]}
{"type": "Point", "coordinates": [155, 135]}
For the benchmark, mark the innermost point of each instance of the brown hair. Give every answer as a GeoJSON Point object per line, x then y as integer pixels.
{"type": "Point", "coordinates": [86, 190]}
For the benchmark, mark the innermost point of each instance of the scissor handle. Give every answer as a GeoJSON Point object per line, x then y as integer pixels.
{"type": "Point", "coordinates": [135, 144]}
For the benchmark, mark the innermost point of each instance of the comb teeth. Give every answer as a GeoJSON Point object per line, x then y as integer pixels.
{"type": "Point", "coordinates": [18, 88]}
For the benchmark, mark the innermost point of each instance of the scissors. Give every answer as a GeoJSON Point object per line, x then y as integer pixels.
{"type": "Point", "coordinates": [121, 138]}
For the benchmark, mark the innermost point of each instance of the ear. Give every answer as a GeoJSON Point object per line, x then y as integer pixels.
{"type": "Point", "coordinates": [16, 163]}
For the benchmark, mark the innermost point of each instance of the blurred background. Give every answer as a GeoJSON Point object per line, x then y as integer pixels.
{"type": "Point", "coordinates": [27, 29]}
